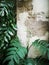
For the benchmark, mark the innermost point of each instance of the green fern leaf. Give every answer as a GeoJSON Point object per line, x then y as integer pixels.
{"type": "Point", "coordinates": [16, 59]}
{"type": "Point", "coordinates": [11, 33]}
{"type": "Point", "coordinates": [9, 37]}
{"type": "Point", "coordinates": [6, 40]}
{"type": "Point", "coordinates": [11, 62]}
{"type": "Point", "coordinates": [41, 45]}
{"type": "Point", "coordinates": [14, 27]}
{"type": "Point", "coordinates": [8, 58]}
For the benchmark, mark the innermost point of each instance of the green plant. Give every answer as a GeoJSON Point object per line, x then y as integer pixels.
{"type": "Point", "coordinates": [11, 51]}
{"type": "Point", "coordinates": [7, 23]}
{"type": "Point", "coordinates": [43, 59]}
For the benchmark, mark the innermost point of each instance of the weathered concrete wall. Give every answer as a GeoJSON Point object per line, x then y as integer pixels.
{"type": "Point", "coordinates": [41, 6]}
{"type": "Point", "coordinates": [31, 26]}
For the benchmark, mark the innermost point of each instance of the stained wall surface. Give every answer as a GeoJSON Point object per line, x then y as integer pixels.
{"type": "Point", "coordinates": [32, 23]}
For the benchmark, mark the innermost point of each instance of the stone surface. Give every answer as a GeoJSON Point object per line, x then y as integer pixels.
{"type": "Point", "coordinates": [31, 26]}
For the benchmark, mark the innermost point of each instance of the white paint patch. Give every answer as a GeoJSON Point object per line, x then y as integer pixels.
{"type": "Point", "coordinates": [22, 29]}
{"type": "Point", "coordinates": [40, 6]}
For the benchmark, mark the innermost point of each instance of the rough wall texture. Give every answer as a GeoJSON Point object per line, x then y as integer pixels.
{"type": "Point", "coordinates": [31, 26]}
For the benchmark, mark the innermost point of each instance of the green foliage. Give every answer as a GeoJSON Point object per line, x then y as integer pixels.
{"type": "Point", "coordinates": [14, 53]}
{"type": "Point", "coordinates": [8, 27]}
{"type": "Point", "coordinates": [7, 23]}
{"type": "Point", "coordinates": [11, 51]}
{"type": "Point", "coordinates": [42, 46]}
{"type": "Point", "coordinates": [29, 61]}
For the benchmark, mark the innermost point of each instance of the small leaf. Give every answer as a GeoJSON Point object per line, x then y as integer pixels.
{"type": "Point", "coordinates": [10, 53]}
{"type": "Point", "coordinates": [11, 33]}
{"type": "Point", "coordinates": [6, 11]}
{"type": "Point", "coordinates": [12, 49]}
{"type": "Point", "coordinates": [6, 40]}
{"type": "Point", "coordinates": [48, 54]}
{"type": "Point", "coordinates": [9, 37]}
{"type": "Point", "coordinates": [14, 27]}
{"type": "Point", "coordinates": [21, 52]}
{"type": "Point", "coordinates": [2, 13]}
{"type": "Point", "coordinates": [11, 62]}
{"type": "Point", "coordinates": [8, 58]}
{"type": "Point", "coordinates": [16, 58]}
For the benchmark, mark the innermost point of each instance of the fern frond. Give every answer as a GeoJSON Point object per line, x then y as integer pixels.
{"type": "Point", "coordinates": [42, 46]}
{"type": "Point", "coordinates": [14, 52]}
{"type": "Point", "coordinates": [7, 23]}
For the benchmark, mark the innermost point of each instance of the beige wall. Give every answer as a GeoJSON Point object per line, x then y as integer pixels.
{"type": "Point", "coordinates": [31, 26]}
